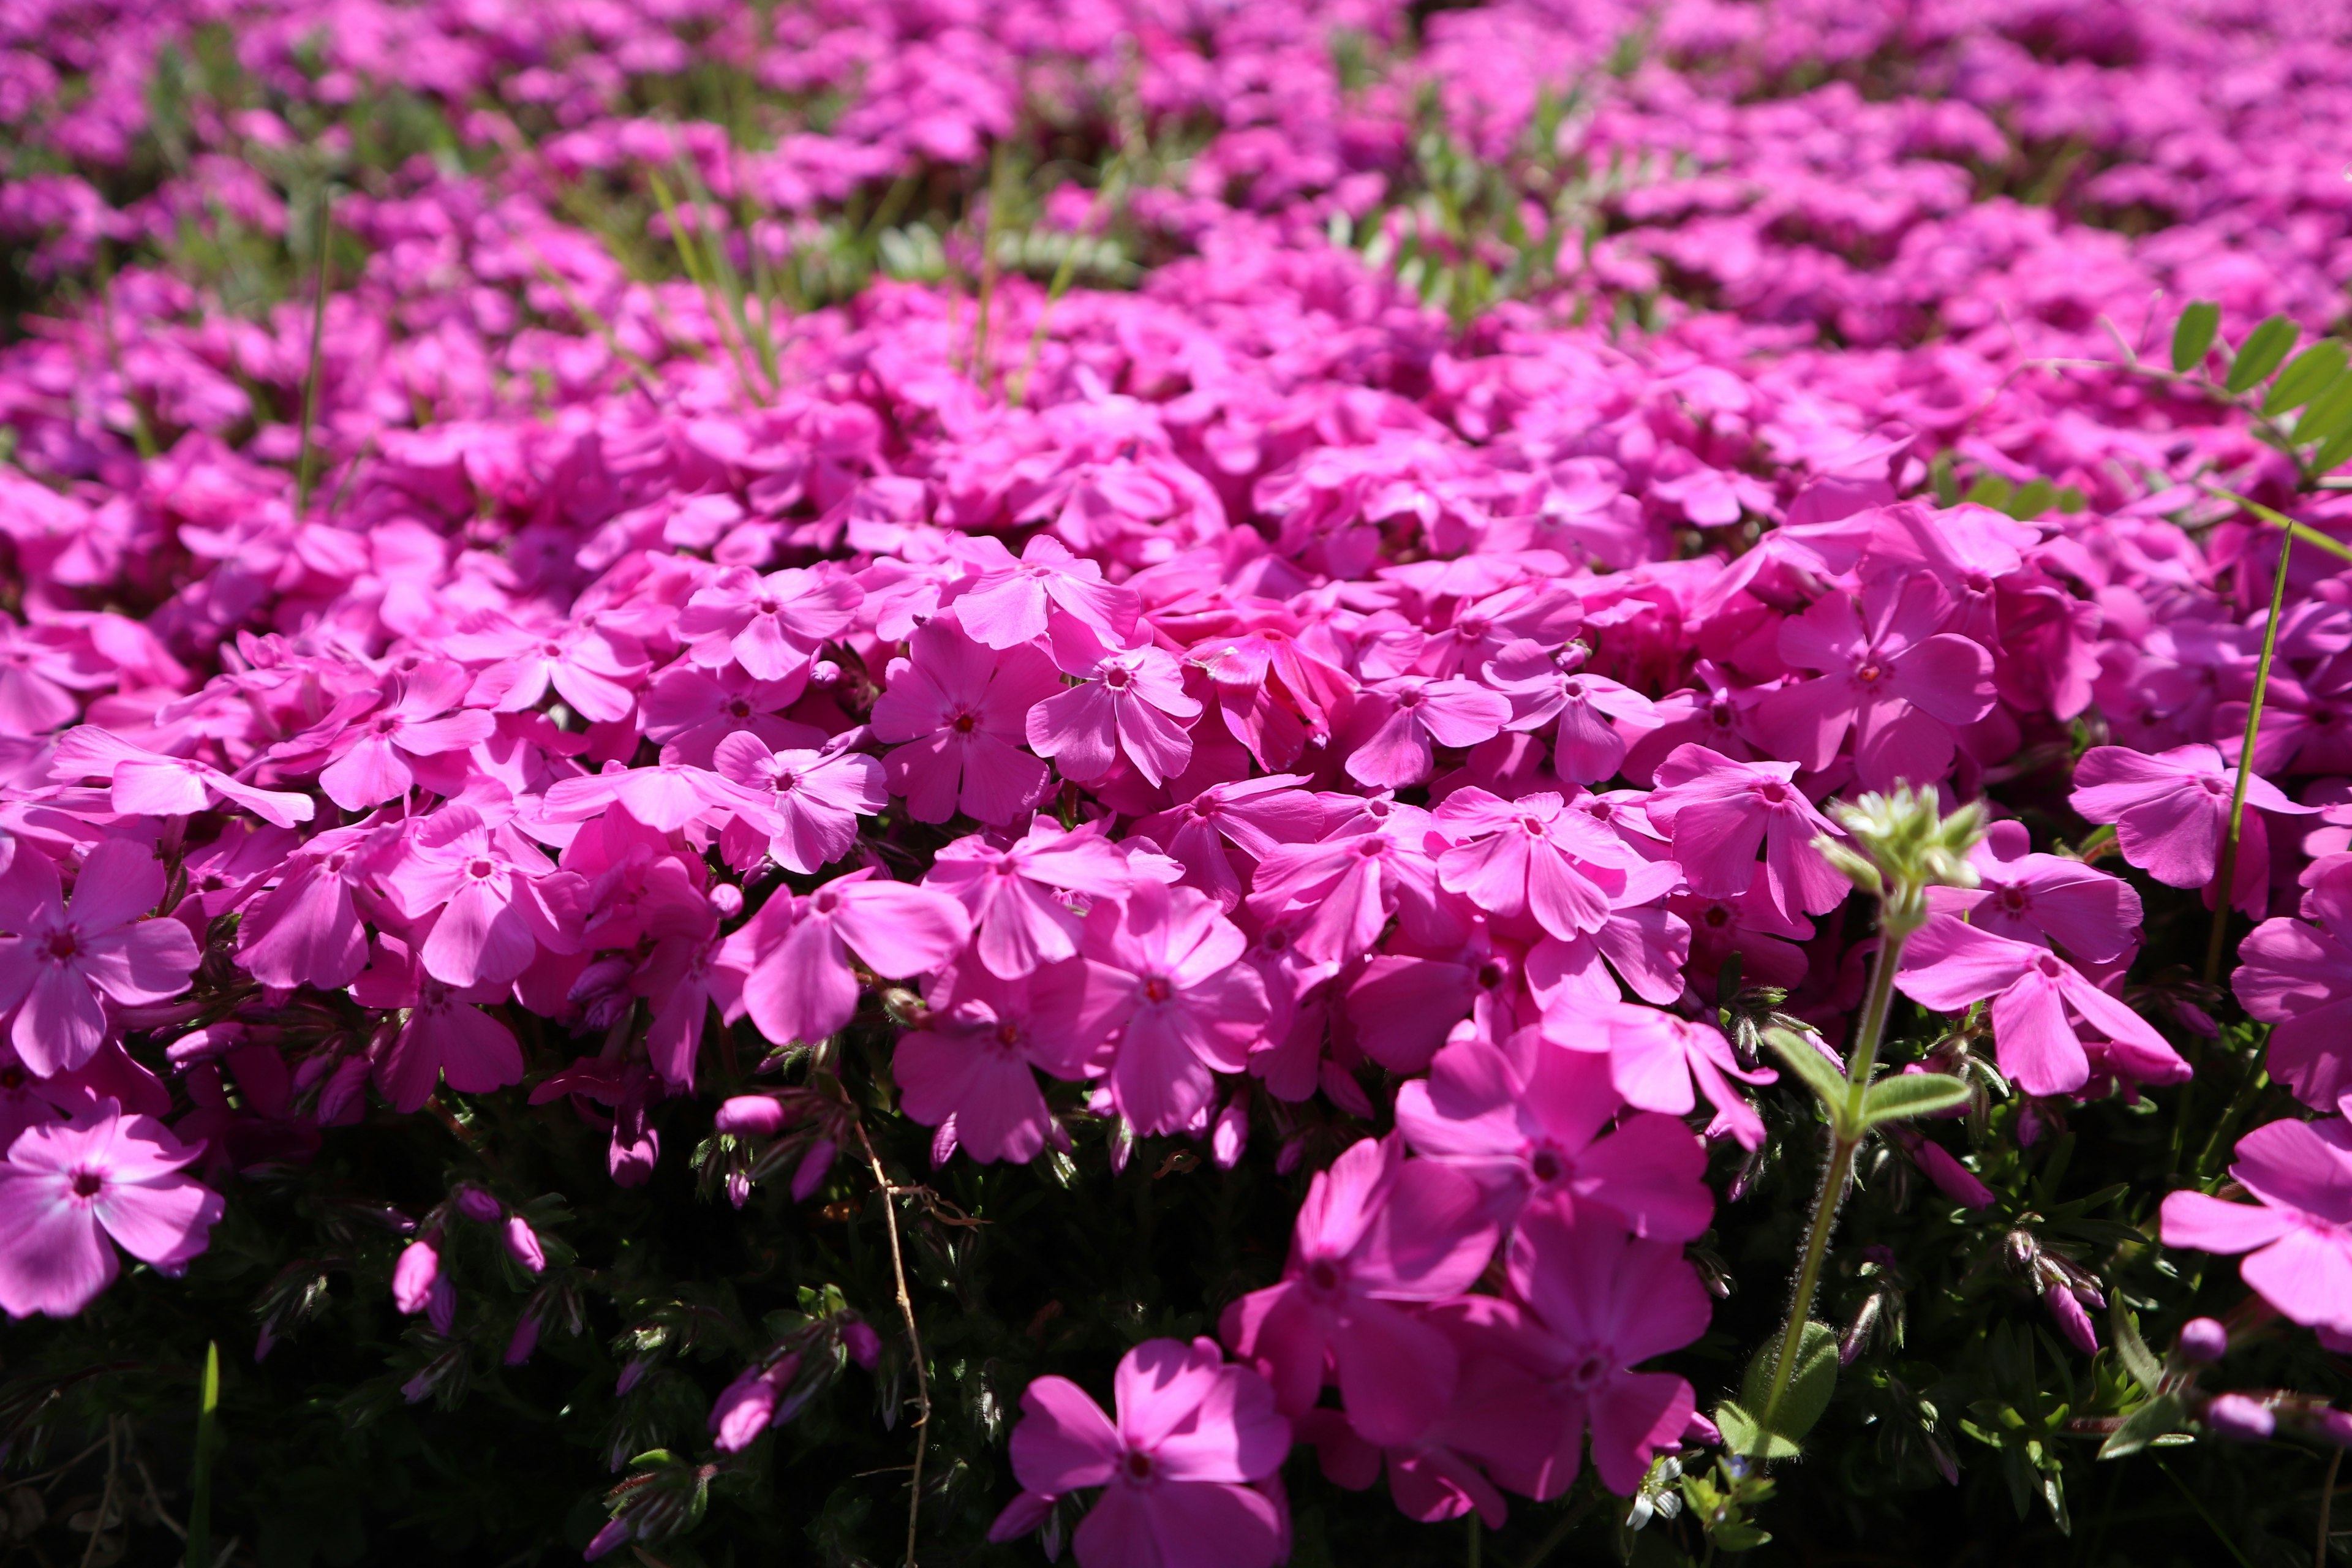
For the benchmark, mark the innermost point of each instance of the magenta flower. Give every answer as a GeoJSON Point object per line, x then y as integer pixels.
{"type": "Point", "coordinates": [1593, 1302]}
{"type": "Point", "coordinates": [1529, 1119]}
{"type": "Point", "coordinates": [771, 625]}
{"type": "Point", "coordinates": [963, 708]}
{"type": "Point", "coordinates": [307, 931]}
{"type": "Point", "coordinates": [1221, 833]}
{"type": "Point", "coordinates": [68, 958]}
{"type": "Point", "coordinates": [2299, 1230]}
{"type": "Point", "coordinates": [1026, 898]}
{"type": "Point", "coordinates": [665, 797]}
{"type": "Point", "coordinates": [1889, 678]}
{"type": "Point", "coordinates": [971, 1061]}
{"type": "Point", "coordinates": [1053, 594]}
{"type": "Point", "coordinates": [1655, 1057]}
{"type": "Point", "coordinates": [1131, 705]}
{"type": "Point", "coordinates": [2171, 813]}
{"type": "Point", "coordinates": [1543, 687]}
{"type": "Point", "coordinates": [2296, 976]}
{"type": "Point", "coordinates": [1399, 722]}
{"type": "Point", "coordinates": [2035, 995]}
{"type": "Point", "coordinates": [1718, 811]}
{"type": "Point", "coordinates": [1176, 1466]}
{"type": "Point", "coordinates": [1376, 1233]}
{"type": "Point", "coordinates": [789, 964]}
{"type": "Point", "coordinates": [68, 1187]}
{"type": "Point", "coordinates": [1534, 857]}
{"type": "Point", "coordinates": [594, 670]}
{"type": "Point", "coordinates": [41, 668]}
{"type": "Point", "coordinates": [493, 900]}
{"type": "Point", "coordinates": [1191, 1005]}
{"type": "Point", "coordinates": [145, 784]}
{"type": "Point", "coordinates": [1352, 880]}
{"type": "Point", "coordinates": [2044, 899]}
{"type": "Point", "coordinates": [807, 803]}
{"type": "Point", "coordinates": [369, 758]}
{"type": "Point", "coordinates": [445, 1034]}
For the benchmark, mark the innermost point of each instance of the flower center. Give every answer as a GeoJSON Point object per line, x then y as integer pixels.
{"type": "Point", "coordinates": [64, 945]}
{"type": "Point", "coordinates": [2048, 965]}
{"type": "Point", "coordinates": [1372, 848]}
{"type": "Point", "coordinates": [1546, 1167]}
{"type": "Point", "coordinates": [963, 723]}
{"type": "Point", "coordinates": [1588, 1371]}
{"type": "Point", "coordinates": [1532, 825]}
{"type": "Point", "coordinates": [1323, 1277]}
{"type": "Point", "coordinates": [787, 782]}
{"type": "Point", "coordinates": [739, 709]}
{"type": "Point", "coordinates": [1868, 674]}
{"type": "Point", "coordinates": [766, 605]}
{"type": "Point", "coordinates": [1118, 677]}
{"type": "Point", "coordinates": [1410, 697]}
{"type": "Point", "coordinates": [1717, 916]}
{"type": "Point", "coordinates": [2012, 898]}
{"type": "Point", "coordinates": [1491, 975]}
{"type": "Point", "coordinates": [88, 1183]}
{"type": "Point", "coordinates": [1719, 715]}
{"type": "Point", "coordinates": [1156, 989]}
{"type": "Point", "coordinates": [479, 868]}
{"type": "Point", "coordinates": [1774, 794]}
{"type": "Point", "coordinates": [1138, 1465]}
{"type": "Point", "coordinates": [2213, 785]}
{"type": "Point", "coordinates": [824, 902]}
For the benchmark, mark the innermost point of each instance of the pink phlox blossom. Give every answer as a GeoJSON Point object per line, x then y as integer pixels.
{"type": "Point", "coordinates": [68, 957]}
{"type": "Point", "coordinates": [1028, 898]}
{"type": "Point", "coordinates": [1176, 1465]}
{"type": "Point", "coordinates": [971, 1060]}
{"type": "Point", "coordinates": [961, 711]}
{"type": "Point", "coordinates": [1587, 1303]}
{"type": "Point", "coordinates": [1397, 722]}
{"type": "Point", "coordinates": [1429, 1479]}
{"type": "Point", "coordinates": [2304, 719]}
{"type": "Point", "coordinates": [372, 754]}
{"type": "Point", "coordinates": [630, 1090]}
{"type": "Point", "coordinates": [594, 670]}
{"type": "Point", "coordinates": [1533, 859]}
{"type": "Point", "coordinates": [1531, 1120]}
{"type": "Point", "coordinates": [694, 710]}
{"type": "Point", "coordinates": [1593, 713]}
{"type": "Point", "coordinates": [41, 668]}
{"type": "Point", "coordinates": [2296, 976]}
{"type": "Point", "coordinates": [1051, 594]}
{"type": "Point", "coordinates": [2044, 899]}
{"type": "Point", "coordinates": [444, 1032]}
{"type": "Point", "coordinates": [1352, 880]}
{"type": "Point", "coordinates": [307, 930]}
{"type": "Point", "coordinates": [1276, 691]}
{"type": "Point", "coordinates": [69, 1186]}
{"type": "Point", "coordinates": [419, 1284]}
{"type": "Point", "coordinates": [1376, 1234]}
{"type": "Point", "coordinates": [1644, 945]}
{"type": "Point", "coordinates": [1719, 813]}
{"type": "Point", "coordinates": [682, 922]}
{"type": "Point", "coordinates": [2171, 814]}
{"type": "Point", "coordinates": [146, 784]}
{"type": "Point", "coordinates": [771, 625]}
{"type": "Point", "coordinates": [1192, 1008]}
{"type": "Point", "coordinates": [1713, 712]}
{"type": "Point", "coordinates": [665, 797]}
{"type": "Point", "coordinates": [493, 899]}
{"type": "Point", "coordinates": [1221, 833]}
{"type": "Point", "coordinates": [1132, 704]}
{"type": "Point", "coordinates": [1541, 615]}
{"type": "Point", "coordinates": [1655, 1057]}
{"type": "Point", "coordinates": [2035, 997]}
{"type": "Point", "coordinates": [788, 967]}
{"type": "Point", "coordinates": [1407, 1000]}
{"type": "Point", "coordinates": [1766, 941]}
{"type": "Point", "coordinates": [806, 804]}
{"type": "Point", "coordinates": [2299, 1229]}
{"type": "Point", "coordinates": [1289, 1055]}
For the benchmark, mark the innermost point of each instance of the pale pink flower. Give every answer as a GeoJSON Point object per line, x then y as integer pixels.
{"type": "Point", "coordinates": [962, 711]}
{"type": "Point", "coordinates": [146, 784]}
{"type": "Point", "coordinates": [1027, 898]}
{"type": "Point", "coordinates": [1544, 687]}
{"type": "Point", "coordinates": [1719, 813]}
{"type": "Point", "coordinates": [771, 625]}
{"type": "Point", "coordinates": [1534, 857]}
{"type": "Point", "coordinates": [2296, 976]}
{"type": "Point", "coordinates": [1131, 704]}
{"type": "Point", "coordinates": [1398, 722]}
{"type": "Point", "coordinates": [594, 670]}
{"type": "Point", "coordinates": [41, 668]}
{"type": "Point", "coordinates": [665, 797]}
{"type": "Point", "coordinates": [694, 710]}
{"type": "Point", "coordinates": [1191, 1006]}
{"type": "Point", "coordinates": [1175, 1467]}
{"type": "Point", "coordinates": [307, 931]}
{"type": "Point", "coordinates": [807, 803]}
{"type": "Point", "coordinates": [1655, 1057]}
{"type": "Point", "coordinates": [787, 966]}
{"type": "Point", "coordinates": [68, 959]}
{"type": "Point", "coordinates": [2299, 1230]}
{"type": "Point", "coordinates": [69, 1186]}
{"type": "Point", "coordinates": [1352, 880]}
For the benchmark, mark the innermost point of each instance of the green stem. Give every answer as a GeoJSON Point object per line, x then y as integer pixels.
{"type": "Point", "coordinates": [2226, 874]}
{"type": "Point", "coordinates": [200, 1487]}
{"type": "Point", "coordinates": [1846, 1137]}
{"type": "Point", "coordinates": [306, 466]}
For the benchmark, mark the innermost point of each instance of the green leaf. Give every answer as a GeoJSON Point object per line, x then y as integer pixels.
{"type": "Point", "coordinates": [1742, 1436]}
{"type": "Point", "coordinates": [2194, 335]}
{"type": "Point", "coordinates": [2033, 500]}
{"type": "Point", "coordinates": [2329, 414]}
{"type": "Point", "coordinates": [2260, 354]}
{"type": "Point", "coordinates": [1802, 1402]}
{"type": "Point", "coordinates": [1992, 490]}
{"type": "Point", "coordinates": [1901, 1096]}
{"type": "Point", "coordinates": [2137, 1358]}
{"type": "Point", "coordinates": [1740, 1537]}
{"type": "Point", "coordinates": [2333, 451]}
{"type": "Point", "coordinates": [2144, 1426]}
{"type": "Point", "coordinates": [2312, 372]}
{"type": "Point", "coordinates": [1805, 1059]}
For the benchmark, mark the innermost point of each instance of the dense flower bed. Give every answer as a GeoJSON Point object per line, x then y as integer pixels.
{"type": "Point", "coordinates": [1229, 753]}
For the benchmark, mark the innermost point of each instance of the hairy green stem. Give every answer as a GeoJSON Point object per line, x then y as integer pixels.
{"type": "Point", "coordinates": [2226, 873]}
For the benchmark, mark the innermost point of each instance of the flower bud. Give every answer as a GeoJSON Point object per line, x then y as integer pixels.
{"type": "Point", "coordinates": [441, 1305]}
{"type": "Point", "coordinates": [2072, 1320]}
{"type": "Point", "coordinates": [610, 1539]}
{"type": "Point", "coordinates": [522, 1243]}
{"type": "Point", "coordinates": [2203, 1341]}
{"type": "Point", "coordinates": [758, 1115]}
{"type": "Point", "coordinates": [525, 1340]}
{"type": "Point", "coordinates": [727, 900]}
{"type": "Point", "coordinates": [2235, 1416]}
{"type": "Point", "coordinates": [743, 1409]}
{"type": "Point", "coordinates": [479, 1206]}
{"type": "Point", "coordinates": [414, 1276]}
{"type": "Point", "coordinates": [864, 1345]}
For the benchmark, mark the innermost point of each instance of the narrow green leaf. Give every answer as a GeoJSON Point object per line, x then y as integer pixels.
{"type": "Point", "coordinates": [1805, 1059]}
{"type": "Point", "coordinates": [2152, 1420]}
{"type": "Point", "coordinates": [2033, 500]}
{"type": "Point", "coordinates": [1901, 1096]}
{"type": "Point", "coordinates": [2260, 354]}
{"type": "Point", "coordinates": [2329, 414]}
{"type": "Point", "coordinates": [1807, 1395]}
{"type": "Point", "coordinates": [2137, 1358]}
{"type": "Point", "coordinates": [2312, 372]}
{"type": "Point", "coordinates": [1992, 490]}
{"type": "Point", "coordinates": [2194, 335]}
{"type": "Point", "coordinates": [2333, 451]}
{"type": "Point", "coordinates": [200, 1488]}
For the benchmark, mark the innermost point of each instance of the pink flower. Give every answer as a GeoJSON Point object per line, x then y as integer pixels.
{"type": "Point", "coordinates": [1131, 705]}
{"type": "Point", "coordinates": [41, 669]}
{"type": "Point", "coordinates": [1398, 721]}
{"type": "Point", "coordinates": [419, 1285]}
{"type": "Point", "coordinates": [2299, 1231]}
{"type": "Point", "coordinates": [665, 797]}
{"type": "Point", "coordinates": [144, 783]}
{"type": "Point", "coordinates": [694, 710]}
{"type": "Point", "coordinates": [2171, 814]}
{"type": "Point", "coordinates": [66, 960]}
{"type": "Point", "coordinates": [1655, 1057]}
{"type": "Point", "coordinates": [368, 758]}
{"type": "Point", "coordinates": [1175, 1467]}
{"type": "Point", "coordinates": [1377, 1232]}
{"type": "Point", "coordinates": [445, 1034]}
{"type": "Point", "coordinates": [307, 931]}
{"type": "Point", "coordinates": [68, 1187]}
{"type": "Point", "coordinates": [971, 1061]}
{"type": "Point", "coordinates": [1352, 880]}
{"type": "Point", "coordinates": [1049, 594]}
{"type": "Point", "coordinates": [1543, 687]}
{"type": "Point", "coordinates": [749, 1406]}
{"type": "Point", "coordinates": [594, 670]}
{"type": "Point", "coordinates": [964, 711]}
{"type": "Point", "coordinates": [1947, 965]}
{"type": "Point", "coordinates": [1717, 812]}
{"type": "Point", "coordinates": [807, 803]}
{"type": "Point", "coordinates": [789, 964]}
{"type": "Point", "coordinates": [1889, 678]}
{"type": "Point", "coordinates": [1529, 1119]}
{"type": "Point", "coordinates": [2043, 899]}
{"type": "Point", "coordinates": [1253, 816]}
{"type": "Point", "coordinates": [493, 900]}
{"type": "Point", "coordinates": [771, 625]}
{"type": "Point", "coordinates": [1192, 1006]}
{"type": "Point", "coordinates": [1593, 1302]}
{"type": "Point", "coordinates": [1026, 900]}
{"type": "Point", "coordinates": [1534, 858]}
{"type": "Point", "coordinates": [2296, 976]}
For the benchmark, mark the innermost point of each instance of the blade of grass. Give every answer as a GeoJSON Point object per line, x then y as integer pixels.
{"type": "Point", "coordinates": [1113, 176]}
{"type": "Point", "coordinates": [200, 1485]}
{"type": "Point", "coordinates": [689, 255]}
{"type": "Point", "coordinates": [2225, 876]}
{"type": "Point", "coordinates": [306, 465]}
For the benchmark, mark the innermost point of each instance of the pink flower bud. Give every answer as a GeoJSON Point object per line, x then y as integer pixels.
{"type": "Point", "coordinates": [414, 1276]}
{"type": "Point", "coordinates": [743, 1411]}
{"type": "Point", "coordinates": [522, 1243]}
{"type": "Point", "coordinates": [1952, 1179]}
{"type": "Point", "coordinates": [479, 1206]}
{"type": "Point", "coordinates": [525, 1340]}
{"type": "Point", "coordinates": [1230, 1135]}
{"type": "Point", "coordinates": [812, 1167]}
{"type": "Point", "coordinates": [2203, 1341]}
{"type": "Point", "coordinates": [441, 1305]}
{"type": "Point", "coordinates": [2235, 1416]}
{"type": "Point", "coordinates": [753, 1115]}
{"type": "Point", "coordinates": [727, 900]}
{"type": "Point", "coordinates": [2073, 1322]}
{"type": "Point", "coordinates": [864, 1345]}
{"type": "Point", "coordinates": [605, 1540]}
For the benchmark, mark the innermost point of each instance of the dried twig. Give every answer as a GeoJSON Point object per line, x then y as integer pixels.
{"type": "Point", "coordinates": [890, 1196]}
